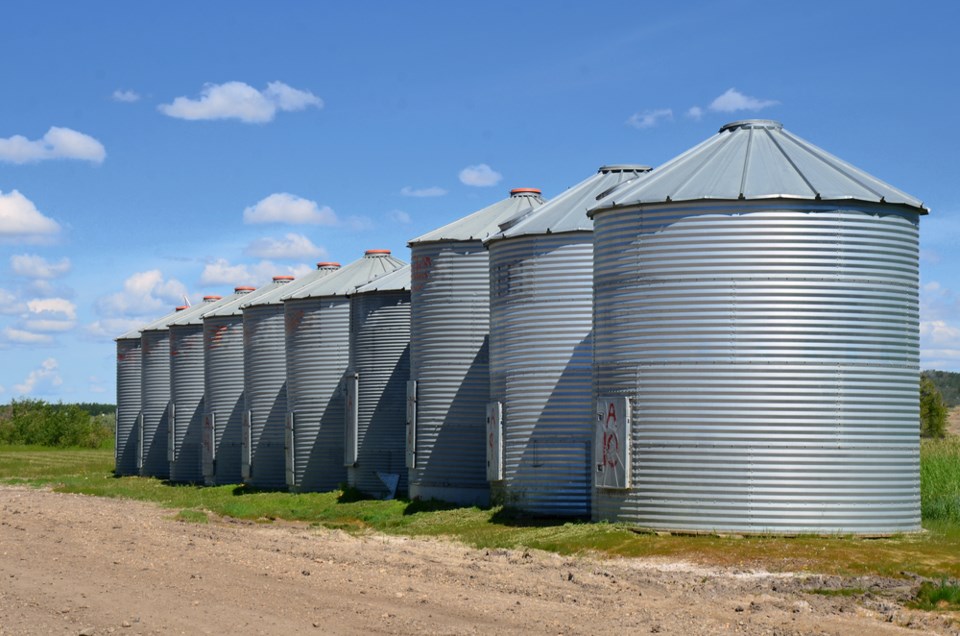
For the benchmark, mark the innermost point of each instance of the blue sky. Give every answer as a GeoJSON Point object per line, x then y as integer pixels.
{"type": "Point", "coordinates": [153, 151]}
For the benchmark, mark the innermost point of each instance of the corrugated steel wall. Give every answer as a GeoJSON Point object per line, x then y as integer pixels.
{"type": "Point", "coordinates": [317, 355]}
{"type": "Point", "coordinates": [541, 320]}
{"type": "Point", "coordinates": [449, 359]}
{"type": "Point", "coordinates": [223, 399]}
{"type": "Point", "coordinates": [187, 399]}
{"type": "Point", "coordinates": [380, 356]}
{"type": "Point", "coordinates": [128, 405]}
{"type": "Point", "coordinates": [771, 356]}
{"type": "Point", "coordinates": [155, 405]}
{"type": "Point", "coordinates": [265, 394]}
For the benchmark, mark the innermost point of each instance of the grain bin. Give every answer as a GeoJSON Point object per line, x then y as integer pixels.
{"type": "Point", "coordinates": [126, 438]}
{"type": "Point", "coordinates": [154, 397]}
{"type": "Point", "coordinates": [265, 382]}
{"type": "Point", "coordinates": [223, 387]}
{"type": "Point", "coordinates": [188, 389]}
{"type": "Point", "coordinates": [375, 438]}
{"type": "Point", "coordinates": [317, 349]}
{"type": "Point", "coordinates": [756, 343]}
{"type": "Point", "coordinates": [449, 375]}
{"type": "Point", "coordinates": [540, 417]}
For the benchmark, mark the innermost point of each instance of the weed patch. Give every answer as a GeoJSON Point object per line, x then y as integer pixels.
{"type": "Point", "coordinates": [942, 595]}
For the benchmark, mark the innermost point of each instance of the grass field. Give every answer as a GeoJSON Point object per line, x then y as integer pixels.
{"type": "Point", "coordinates": [932, 553]}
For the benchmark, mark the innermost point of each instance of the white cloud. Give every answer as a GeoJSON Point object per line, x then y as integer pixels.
{"type": "Point", "coordinates": [480, 175]}
{"type": "Point", "coordinates": [283, 207]}
{"type": "Point", "coordinates": [49, 326]}
{"type": "Point", "coordinates": [733, 100]}
{"type": "Point", "coordinates": [939, 327]}
{"type": "Point", "coordinates": [695, 112]}
{"type": "Point", "coordinates": [58, 143]}
{"type": "Point", "coordinates": [33, 266]}
{"type": "Point", "coordinates": [19, 336]}
{"type": "Point", "coordinates": [144, 294]}
{"type": "Point", "coordinates": [432, 191]}
{"type": "Point", "coordinates": [399, 216]}
{"type": "Point", "coordinates": [60, 306]}
{"type": "Point", "coordinates": [109, 328]}
{"type": "Point", "coordinates": [940, 332]}
{"type": "Point", "coordinates": [237, 100]}
{"type": "Point", "coordinates": [359, 223]}
{"type": "Point", "coordinates": [127, 96]}
{"type": "Point", "coordinates": [291, 247]}
{"type": "Point", "coordinates": [222, 272]}
{"type": "Point", "coordinates": [10, 303]}
{"type": "Point", "coordinates": [43, 377]}
{"type": "Point", "coordinates": [650, 118]}
{"type": "Point", "coordinates": [20, 219]}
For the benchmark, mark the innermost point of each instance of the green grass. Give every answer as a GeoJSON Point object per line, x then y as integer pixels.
{"type": "Point", "coordinates": [940, 480]}
{"type": "Point", "coordinates": [932, 553]}
{"type": "Point", "coordinates": [842, 591]}
{"type": "Point", "coordinates": [941, 595]}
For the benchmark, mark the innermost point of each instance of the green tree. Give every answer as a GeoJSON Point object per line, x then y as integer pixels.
{"type": "Point", "coordinates": [933, 410]}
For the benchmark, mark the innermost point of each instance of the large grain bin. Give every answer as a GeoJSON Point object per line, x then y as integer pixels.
{"type": "Point", "coordinates": [126, 437]}
{"type": "Point", "coordinates": [377, 378]}
{"type": "Point", "coordinates": [756, 343]}
{"type": "Point", "coordinates": [152, 427]}
{"type": "Point", "coordinates": [223, 387]}
{"type": "Point", "coordinates": [449, 375]}
{"type": "Point", "coordinates": [265, 383]}
{"type": "Point", "coordinates": [187, 389]}
{"type": "Point", "coordinates": [541, 351]}
{"type": "Point", "coordinates": [317, 354]}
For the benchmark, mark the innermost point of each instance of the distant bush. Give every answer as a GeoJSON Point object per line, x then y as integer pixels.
{"type": "Point", "coordinates": [948, 383]}
{"type": "Point", "coordinates": [933, 410]}
{"type": "Point", "coordinates": [35, 422]}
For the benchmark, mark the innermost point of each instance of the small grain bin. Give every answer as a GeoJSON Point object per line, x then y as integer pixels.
{"type": "Point", "coordinates": [449, 375]}
{"type": "Point", "coordinates": [265, 382]}
{"type": "Point", "coordinates": [375, 436]}
{"type": "Point", "coordinates": [756, 343]}
{"type": "Point", "coordinates": [187, 390]}
{"type": "Point", "coordinates": [154, 397]}
{"type": "Point", "coordinates": [318, 352]}
{"type": "Point", "coordinates": [127, 438]}
{"type": "Point", "coordinates": [540, 420]}
{"type": "Point", "coordinates": [223, 387]}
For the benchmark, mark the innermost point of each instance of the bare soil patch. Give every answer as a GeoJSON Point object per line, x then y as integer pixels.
{"type": "Point", "coordinates": [72, 564]}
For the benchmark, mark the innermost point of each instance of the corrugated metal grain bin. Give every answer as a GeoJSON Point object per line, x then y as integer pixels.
{"type": "Point", "coordinates": [127, 437]}
{"type": "Point", "coordinates": [265, 383]}
{"type": "Point", "coordinates": [317, 349]}
{"type": "Point", "coordinates": [541, 351]}
{"type": "Point", "coordinates": [756, 343]}
{"type": "Point", "coordinates": [153, 424]}
{"type": "Point", "coordinates": [377, 378]}
{"type": "Point", "coordinates": [223, 388]}
{"type": "Point", "coordinates": [449, 370]}
{"type": "Point", "coordinates": [187, 390]}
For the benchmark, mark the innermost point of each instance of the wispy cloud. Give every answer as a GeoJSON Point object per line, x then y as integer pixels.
{"type": "Point", "coordinates": [733, 100]}
{"type": "Point", "coordinates": [291, 247]}
{"type": "Point", "coordinates": [695, 113]}
{"type": "Point", "coordinates": [432, 191]}
{"type": "Point", "coordinates": [33, 266]}
{"type": "Point", "coordinates": [126, 96]}
{"type": "Point", "coordinates": [20, 220]}
{"type": "Point", "coordinates": [223, 272]}
{"type": "Point", "coordinates": [480, 175]}
{"type": "Point", "coordinates": [44, 377]}
{"type": "Point", "coordinates": [147, 294]}
{"type": "Point", "coordinates": [399, 216]}
{"type": "Point", "coordinates": [650, 118]}
{"type": "Point", "coordinates": [939, 327]}
{"type": "Point", "coordinates": [237, 100]}
{"type": "Point", "coordinates": [57, 307]}
{"type": "Point", "coordinates": [284, 207]}
{"type": "Point", "coordinates": [58, 143]}
{"type": "Point", "coordinates": [22, 337]}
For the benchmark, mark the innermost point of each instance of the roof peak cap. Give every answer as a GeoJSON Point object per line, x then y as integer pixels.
{"type": "Point", "coordinates": [768, 124]}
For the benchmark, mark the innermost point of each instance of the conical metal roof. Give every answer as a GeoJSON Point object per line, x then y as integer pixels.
{"type": "Point", "coordinates": [483, 223]}
{"type": "Point", "coordinates": [375, 263]}
{"type": "Point", "coordinates": [397, 280]}
{"type": "Point", "coordinates": [567, 212]}
{"type": "Point", "coordinates": [162, 324]}
{"type": "Point", "coordinates": [754, 160]}
{"type": "Point", "coordinates": [235, 306]}
{"type": "Point", "coordinates": [133, 334]}
{"type": "Point", "coordinates": [276, 295]}
{"type": "Point", "coordinates": [196, 318]}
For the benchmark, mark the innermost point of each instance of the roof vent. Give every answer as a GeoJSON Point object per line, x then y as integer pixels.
{"type": "Point", "coordinates": [282, 279]}
{"type": "Point", "coordinates": [377, 253]}
{"type": "Point", "coordinates": [517, 192]}
{"type": "Point", "coordinates": [243, 289]}
{"type": "Point", "coordinates": [624, 167]}
{"type": "Point", "coordinates": [328, 265]}
{"type": "Point", "coordinates": [769, 124]}
{"type": "Point", "coordinates": [210, 299]}
{"type": "Point", "coordinates": [182, 307]}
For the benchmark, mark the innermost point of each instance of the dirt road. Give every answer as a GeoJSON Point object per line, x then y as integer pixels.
{"type": "Point", "coordinates": [81, 565]}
